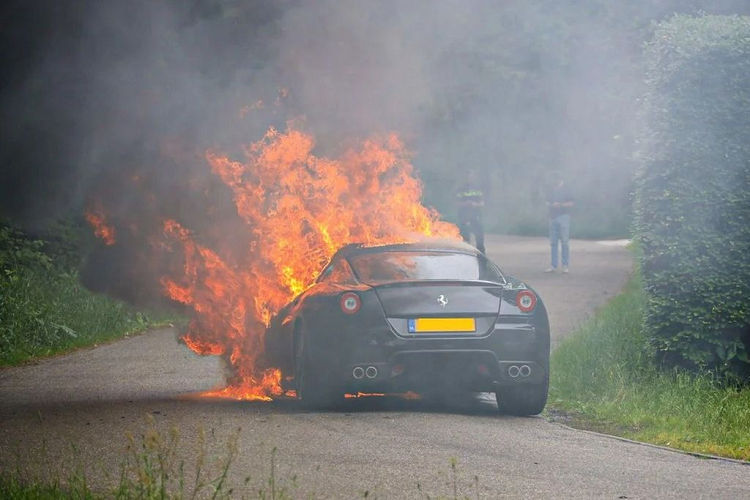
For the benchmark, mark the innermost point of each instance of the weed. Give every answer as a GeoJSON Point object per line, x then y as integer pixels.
{"type": "Point", "coordinates": [152, 470]}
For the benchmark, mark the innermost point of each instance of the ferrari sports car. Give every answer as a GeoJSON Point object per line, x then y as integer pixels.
{"type": "Point", "coordinates": [423, 317]}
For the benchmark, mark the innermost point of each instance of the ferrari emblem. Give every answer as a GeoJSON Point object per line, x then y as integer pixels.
{"type": "Point", "coordinates": [442, 301]}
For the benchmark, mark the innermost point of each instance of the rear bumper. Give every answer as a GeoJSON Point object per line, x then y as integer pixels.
{"type": "Point", "coordinates": [380, 361]}
{"type": "Point", "coordinates": [418, 371]}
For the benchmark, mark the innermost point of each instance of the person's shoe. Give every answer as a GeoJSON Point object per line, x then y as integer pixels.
{"type": "Point", "coordinates": [565, 270]}
{"type": "Point", "coordinates": [550, 270]}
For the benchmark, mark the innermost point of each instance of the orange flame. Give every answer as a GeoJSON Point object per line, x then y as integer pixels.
{"type": "Point", "coordinates": [365, 395]}
{"type": "Point", "coordinates": [246, 109]}
{"type": "Point", "coordinates": [408, 395]}
{"type": "Point", "coordinates": [98, 221]}
{"type": "Point", "coordinates": [297, 209]}
{"type": "Point", "coordinates": [262, 390]}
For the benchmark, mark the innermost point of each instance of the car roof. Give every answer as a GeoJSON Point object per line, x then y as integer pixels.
{"type": "Point", "coordinates": [426, 245]}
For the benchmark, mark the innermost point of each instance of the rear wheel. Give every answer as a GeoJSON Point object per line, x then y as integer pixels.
{"type": "Point", "coordinates": [312, 390]}
{"type": "Point", "coordinates": [523, 400]}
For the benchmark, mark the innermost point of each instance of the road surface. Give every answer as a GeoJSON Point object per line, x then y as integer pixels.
{"type": "Point", "coordinates": [385, 446]}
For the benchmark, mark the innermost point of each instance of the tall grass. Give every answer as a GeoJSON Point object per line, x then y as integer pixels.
{"type": "Point", "coordinates": [44, 309]}
{"type": "Point", "coordinates": [604, 376]}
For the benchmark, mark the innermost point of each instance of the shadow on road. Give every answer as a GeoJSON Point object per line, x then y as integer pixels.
{"type": "Point", "coordinates": [470, 404]}
{"type": "Point", "coordinates": [477, 404]}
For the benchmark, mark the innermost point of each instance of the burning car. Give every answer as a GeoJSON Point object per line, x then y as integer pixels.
{"type": "Point", "coordinates": [414, 317]}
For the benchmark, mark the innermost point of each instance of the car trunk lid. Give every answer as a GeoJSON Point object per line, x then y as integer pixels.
{"type": "Point", "coordinates": [440, 307]}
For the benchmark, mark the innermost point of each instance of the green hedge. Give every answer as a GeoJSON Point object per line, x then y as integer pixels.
{"type": "Point", "coordinates": [693, 193]}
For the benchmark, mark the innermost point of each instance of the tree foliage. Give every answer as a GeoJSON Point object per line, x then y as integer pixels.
{"type": "Point", "coordinates": [693, 194]}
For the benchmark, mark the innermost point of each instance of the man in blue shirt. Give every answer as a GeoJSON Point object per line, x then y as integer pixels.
{"type": "Point", "coordinates": [559, 204]}
{"type": "Point", "coordinates": [470, 200]}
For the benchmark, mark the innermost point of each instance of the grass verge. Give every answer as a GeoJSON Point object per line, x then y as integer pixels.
{"type": "Point", "coordinates": [43, 313]}
{"type": "Point", "coordinates": [603, 380]}
{"type": "Point", "coordinates": [45, 310]}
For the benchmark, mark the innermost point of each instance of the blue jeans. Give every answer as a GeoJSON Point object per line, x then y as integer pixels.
{"type": "Point", "coordinates": [559, 230]}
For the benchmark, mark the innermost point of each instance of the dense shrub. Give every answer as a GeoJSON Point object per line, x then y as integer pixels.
{"type": "Point", "coordinates": [693, 193]}
{"type": "Point", "coordinates": [44, 309]}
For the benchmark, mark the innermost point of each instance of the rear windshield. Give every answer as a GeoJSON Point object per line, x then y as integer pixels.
{"type": "Point", "coordinates": [409, 266]}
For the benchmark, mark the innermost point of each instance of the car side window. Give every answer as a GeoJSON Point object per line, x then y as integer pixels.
{"type": "Point", "coordinates": [338, 272]}
{"type": "Point", "coordinates": [325, 274]}
{"type": "Point", "coordinates": [489, 272]}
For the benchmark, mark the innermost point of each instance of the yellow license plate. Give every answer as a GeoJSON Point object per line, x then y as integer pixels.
{"type": "Point", "coordinates": [433, 325]}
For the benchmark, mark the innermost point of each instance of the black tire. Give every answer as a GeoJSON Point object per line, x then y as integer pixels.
{"type": "Point", "coordinates": [312, 390]}
{"type": "Point", "coordinates": [523, 400]}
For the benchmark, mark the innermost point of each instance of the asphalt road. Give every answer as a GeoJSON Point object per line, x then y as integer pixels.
{"type": "Point", "coordinates": [386, 446]}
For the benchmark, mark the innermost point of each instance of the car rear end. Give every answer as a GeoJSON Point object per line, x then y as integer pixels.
{"type": "Point", "coordinates": [430, 321]}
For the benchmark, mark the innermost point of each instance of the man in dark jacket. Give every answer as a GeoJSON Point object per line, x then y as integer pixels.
{"type": "Point", "coordinates": [559, 204]}
{"type": "Point", "coordinates": [470, 200]}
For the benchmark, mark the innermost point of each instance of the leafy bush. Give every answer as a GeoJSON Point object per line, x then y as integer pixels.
{"type": "Point", "coordinates": [693, 193]}
{"type": "Point", "coordinates": [43, 307]}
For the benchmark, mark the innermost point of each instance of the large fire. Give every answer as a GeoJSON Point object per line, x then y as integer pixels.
{"type": "Point", "coordinates": [297, 209]}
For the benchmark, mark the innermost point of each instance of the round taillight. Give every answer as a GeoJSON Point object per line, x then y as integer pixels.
{"type": "Point", "coordinates": [350, 302]}
{"type": "Point", "coordinates": [526, 301]}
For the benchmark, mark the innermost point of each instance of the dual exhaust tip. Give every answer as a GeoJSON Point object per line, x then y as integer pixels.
{"type": "Point", "coordinates": [360, 372]}
{"type": "Point", "coordinates": [516, 371]}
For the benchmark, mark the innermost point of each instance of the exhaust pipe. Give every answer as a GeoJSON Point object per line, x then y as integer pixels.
{"type": "Point", "coordinates": [358, 372]}
{"type": "Point", "coordinates": [371, 372]}
{"type": "Point", "coordinates": [513, 371]}
{"type": "Point", "coordinates": [525, 371]}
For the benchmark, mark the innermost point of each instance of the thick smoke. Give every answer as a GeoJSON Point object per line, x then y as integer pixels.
{"type": "Point", "coordinates": [97, 93]}
{"type": "Point", "coordinates": [110, 107]}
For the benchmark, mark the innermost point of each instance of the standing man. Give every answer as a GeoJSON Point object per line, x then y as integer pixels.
{"type": "Point", "coordinates": [470, 201]}
{"type": "Point", "coordinates": [559, 204]}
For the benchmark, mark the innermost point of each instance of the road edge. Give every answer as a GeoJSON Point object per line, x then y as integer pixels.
{"type": "Point", "coordinates": [44, 358]}
{"type": "Point", "coordinates": [695, 454]}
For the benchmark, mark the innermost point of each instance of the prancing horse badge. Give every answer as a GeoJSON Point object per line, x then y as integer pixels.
{"type": "Point", "coordinates": [442, 301]}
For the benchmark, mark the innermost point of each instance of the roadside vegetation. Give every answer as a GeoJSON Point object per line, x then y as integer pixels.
{"type": "Point", "coordinates": [44, 309]}
{"type": "Point", "coordinates": [668, 361]}
{"type": "Point", "coordinates": [604, 378]}
{"type": "Point", "coordinates": [150, 469]}
{"type": "Point", "coordinates": [693, 195]}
